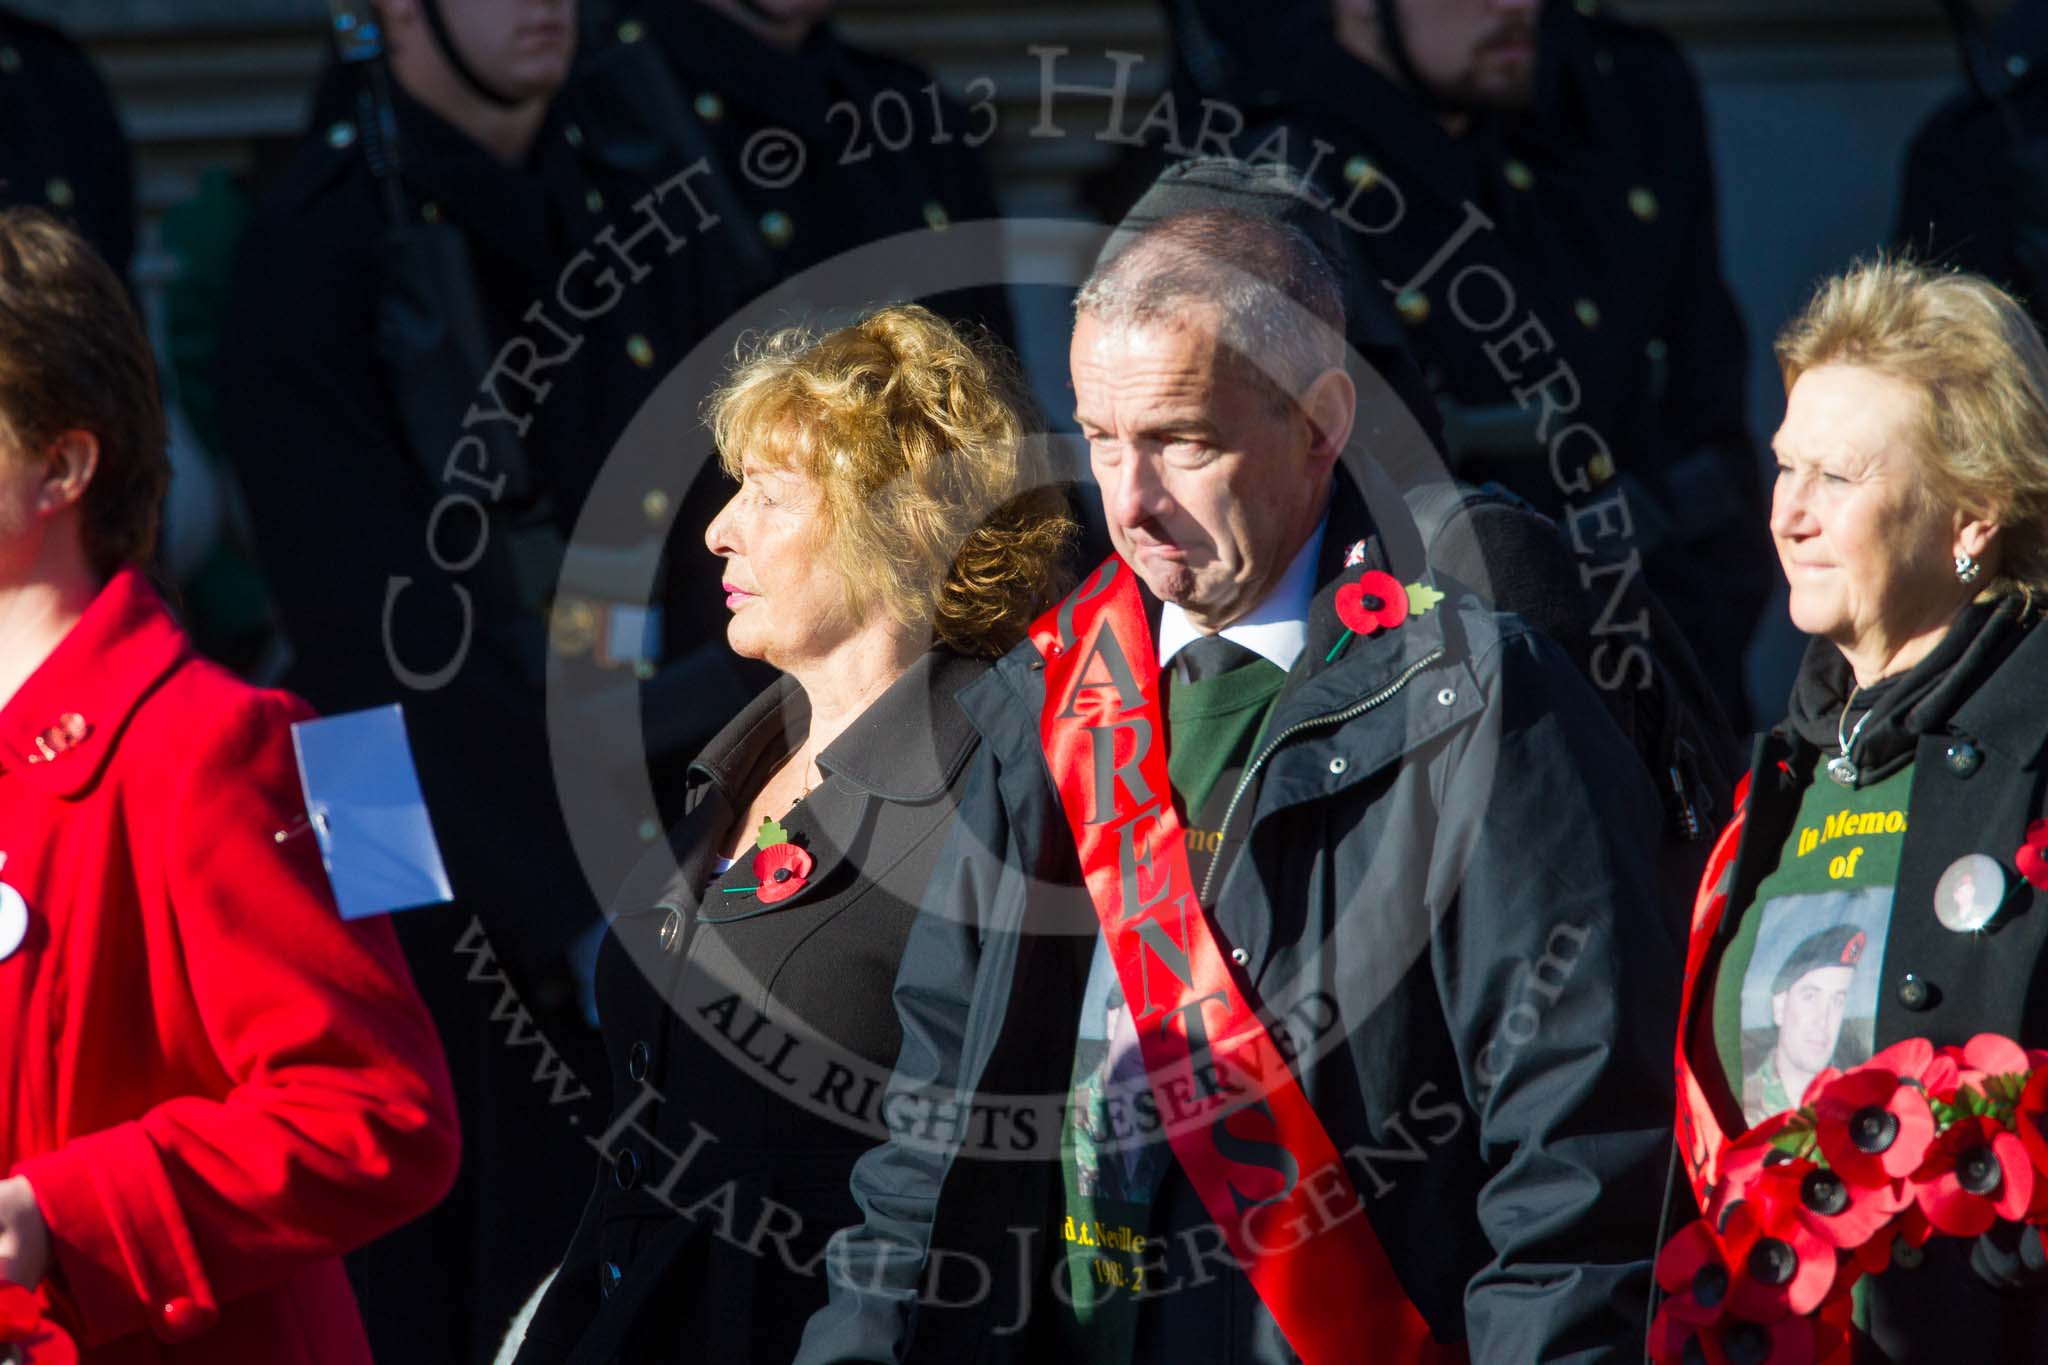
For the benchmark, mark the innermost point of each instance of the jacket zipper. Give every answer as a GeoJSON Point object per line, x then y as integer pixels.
{"type": "Point", "coordinates": [1351, 712]}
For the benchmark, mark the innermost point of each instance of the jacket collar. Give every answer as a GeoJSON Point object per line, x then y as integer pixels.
{"type": "Point", "coordinates": [2006, 714]}
{"type": "Point", "coordinates": [59, 730]}
{"type": "Point", "coordinates": [912, 742]}
{"type": "Point", "coordinates": [906, 747]}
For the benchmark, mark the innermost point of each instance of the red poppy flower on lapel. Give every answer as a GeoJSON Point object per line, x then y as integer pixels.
{"type": "Point", "coordinates": [1975, 1174]}
{"type": "Point", "coordinates": [1693, 1273]}
{"type": "Point", "coordinates": [1376, 602]}
{"type": "Point", "coordinates": [2032, 859]}
{"type": "Point", "coordinates": [28, 1336]}
{"type": "Point", "coordinates": [1872, 1127]}
{"type": "Point", "coordinates": [780, 869]}
{"type": "Point", "coordinates": [1778, 1266]}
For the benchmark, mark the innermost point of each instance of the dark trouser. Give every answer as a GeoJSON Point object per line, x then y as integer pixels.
{"type": "Point", "coordinates": [443, 1289]}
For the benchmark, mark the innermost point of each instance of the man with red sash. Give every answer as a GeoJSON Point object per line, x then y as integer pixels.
{"type": "Point", "coordinates": [1294, 988]}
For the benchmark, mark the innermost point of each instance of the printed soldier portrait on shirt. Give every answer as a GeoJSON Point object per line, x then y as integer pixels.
{"type": "Point", "coordinates": [1809, 1001]}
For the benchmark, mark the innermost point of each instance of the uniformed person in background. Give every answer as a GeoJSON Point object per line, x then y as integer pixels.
{"type": "Point", "coordinates": [404, 247]}
{"type": "Point", "coordinates": [883, 149]}
{"type": "Point", "coordinates": [61, 143]}
{"type": "Point", "coordinates": [1975, 195]}
{"type": "Point", "coordinates": [1532, 181]}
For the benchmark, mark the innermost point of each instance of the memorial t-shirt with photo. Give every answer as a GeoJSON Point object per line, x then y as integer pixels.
{"type": "Point", "coordinates": [1797, 990]}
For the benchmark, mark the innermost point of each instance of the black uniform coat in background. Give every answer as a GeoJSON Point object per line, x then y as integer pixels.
{"type": "Point", "coordinates": [343, 496]}
{"type": "Point", "coordinates": [699, 989]}
{"type": "Point", "coordinates": [1964, 201]}
{"type": "Point", "coordinates": [1446, 819]}
{"type": "Point", "coordinates": [1978, 782]}
{"type": "Point", "coordinates": [61, 143]}
{"type": "Point", "coordinates": [1975, 193]}
{"type": "Point", "coordinates": [1602, 219]}
{"type": "Point", "coordinates": [883, 150]}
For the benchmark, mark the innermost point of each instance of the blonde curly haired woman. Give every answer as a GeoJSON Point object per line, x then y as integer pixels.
{"type": "Point", "coordinates": [888, 539]}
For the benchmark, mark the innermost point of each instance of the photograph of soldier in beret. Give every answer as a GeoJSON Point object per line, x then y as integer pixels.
{"type": "Point", "coordinates": [1813, 1012]}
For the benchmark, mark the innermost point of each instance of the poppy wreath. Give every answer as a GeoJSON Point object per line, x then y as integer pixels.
{"type": "Point", "coordinates": [1917, 1142]}
{"type": "Point", "coordinates": [27, 1335]}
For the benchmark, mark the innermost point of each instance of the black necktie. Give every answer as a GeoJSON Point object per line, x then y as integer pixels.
{"type": "Point", "coordinates": [1211, 656]}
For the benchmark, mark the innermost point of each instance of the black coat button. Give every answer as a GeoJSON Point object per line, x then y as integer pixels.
{"type": "Point", "coordinates": [608, 1277]}
{"type": "Point", "coordinates": [636, 1062]}
{"type": "Point", "coordinates": [1914, 992]}
{"type": "Point", "coordinates": [1964, 758]}
{"type": "Point", "coordinates": [626, 1168]}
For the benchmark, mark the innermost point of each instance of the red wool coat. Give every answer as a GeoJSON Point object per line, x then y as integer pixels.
{"type": "Point", "coordinates": [214, 1084]}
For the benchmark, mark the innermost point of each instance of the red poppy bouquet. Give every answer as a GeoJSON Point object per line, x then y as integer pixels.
{"type": "Point", "coordinates": [1874, 1162]}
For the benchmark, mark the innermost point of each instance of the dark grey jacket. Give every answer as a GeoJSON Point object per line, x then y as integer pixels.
{"type": "Point", "coordinates": [1446, 850]}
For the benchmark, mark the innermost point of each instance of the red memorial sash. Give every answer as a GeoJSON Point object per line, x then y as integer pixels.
{"type": "Point", "coordinates": [1699, 1129]}
{"type": "Point", "coordinates": [1240, 1126]}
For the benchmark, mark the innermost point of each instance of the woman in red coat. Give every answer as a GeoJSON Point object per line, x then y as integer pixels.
{"type": "Point", "coordinates": [210, 1085]}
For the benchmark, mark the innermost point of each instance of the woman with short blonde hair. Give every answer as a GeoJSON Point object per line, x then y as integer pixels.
{"type": "Point", "coordinates": [1882, 885]}
{"type": "Point", "coordinates": [1975, 355]}
{"type": "Point", "coordinates": [890, 535]}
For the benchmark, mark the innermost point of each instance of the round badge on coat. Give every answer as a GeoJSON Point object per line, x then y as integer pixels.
{"type": "Point", "coordinates": [13, 920]}
{"type": "Point", "coordinates": [1969, 894]}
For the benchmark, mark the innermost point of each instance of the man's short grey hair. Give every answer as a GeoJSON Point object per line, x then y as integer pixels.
{"type": "Point", "coordinates": [1279, 300]}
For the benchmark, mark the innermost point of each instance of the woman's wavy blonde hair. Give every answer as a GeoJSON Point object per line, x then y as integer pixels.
{"type": "Point", "coordinates": [1969, 346]}
{"type": "Point", "coordinates": [913, 434]}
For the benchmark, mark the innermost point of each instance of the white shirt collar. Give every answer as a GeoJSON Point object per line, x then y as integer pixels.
{"type": "Point", "coordinates": [1276, 629]}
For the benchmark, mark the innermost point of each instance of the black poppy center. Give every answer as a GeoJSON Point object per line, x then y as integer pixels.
{"type": "Point", "coordinates": [1710, 1285]}
{"type": "Point", "coordinates": [1369, 602]}
{"type": "Point", "coordinates": [1977, 1171]}
{"type": "Point", "coordinates": [1873, 1130]}
{"type": "Point", "coordinates": [1772, 1262]}
{"type": "Point", "coordinates": [1747, 1344]}
{"type": "Point", "coordinates": [1824, 1193]}
{"type": "Point", "coordinates": [783, 874]}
